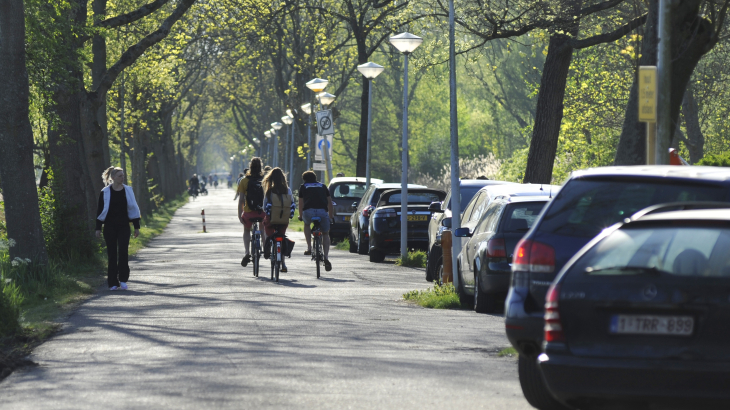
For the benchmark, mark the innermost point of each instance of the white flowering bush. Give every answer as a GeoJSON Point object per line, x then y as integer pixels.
{"type": "Point", "coordinates": [469, 168]}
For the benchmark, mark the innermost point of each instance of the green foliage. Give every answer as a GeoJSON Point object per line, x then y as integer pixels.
{"type": "Point", "coordinates": [508, 352]}
{"type": "Point", "coordinates": [415, 259]}
{"type": "Point", "coordinates": [9, 308]}
{"type": "Point", "coordinates": [438, 297]}
{"type": "Point", "coordinates": [716, 160]}
{"type": "Point", "coordinates": [343, 245]}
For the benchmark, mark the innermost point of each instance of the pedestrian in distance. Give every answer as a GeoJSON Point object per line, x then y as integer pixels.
{"type": "Point", "coordinates": [238, 181]}
{"type": "Point", "coordinates": [117, 208]}
{"type": "Point", "coordinates": [250, 203]}
{"type": "Point", "coordinates": [194, 185]}
{"type": "Point", "coordinates": [279, 206]}
{"type": "Point", "coordinates": [314, 200]}
{"type": "Point", "coordinates": [229, 177]}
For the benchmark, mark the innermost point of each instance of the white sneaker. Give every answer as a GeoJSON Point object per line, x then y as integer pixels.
{"type": "Point", "coordinates": [113, 288]}
{"type": "Point", "coordinates": [123, 286]}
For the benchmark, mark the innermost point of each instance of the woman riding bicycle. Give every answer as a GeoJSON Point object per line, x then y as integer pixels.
{"type": "Point", "coordinates": [277, 197]}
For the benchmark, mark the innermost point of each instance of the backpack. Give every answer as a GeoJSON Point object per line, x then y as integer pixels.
{"type": "Point", "coordinates": [280, 209]}
{"type": "Point", "coordinates": [255, 194]}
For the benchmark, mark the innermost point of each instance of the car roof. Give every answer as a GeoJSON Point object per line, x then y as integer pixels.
{"type": "Point", "coordinates": [393, 185]}
{"type": "Point", "coordinates": [526, 198]}
{"type": "Point", "coordinates": [338, 180]}
{"type": "Point", "coordinates": [718, 215]}
{"type": "Point", "coordinates": [483, 182]}
{"type": "Point", "coordinates": [521, 190]}
{"type": "Point", "coordinates": [657, 171]}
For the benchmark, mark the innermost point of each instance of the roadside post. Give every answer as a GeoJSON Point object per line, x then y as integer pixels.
{"type": "Point", "coordinates": [202, 213]}
{"type": "Point", "coordinates": [647, 109]}
{"type": "Point", "coordinates": [446, 245]}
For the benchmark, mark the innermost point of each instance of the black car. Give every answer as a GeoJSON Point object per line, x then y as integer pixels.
{"type": "Point", "coordinates": [360, 218]}
{"type": "Point", "coordinates": [485, 261]}
{"type": "Point", "coordinates": [640, 315]}
{"type": "Point", "coordinates": [385, 221]}
{"type": "Point", "coordinates": [441, 212]}
{"type": "Point", "coordinates": [590, 201]}
{"type": "Point", "coordinates": [345, 191]}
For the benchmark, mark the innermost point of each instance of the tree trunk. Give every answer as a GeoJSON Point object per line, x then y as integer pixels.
{"type": "Point", "coordinates": [139, 171]}
{"type": "Point", "coordinates": [695, 141]}
{"type": "Point", "coordinates": [691, 39]}
{"type": "Point", "coordinates": [549, 113]}
{"type": "Point", "coordinates": [98, 69]}
{"type": "Point", "coordinates": [16, 138]}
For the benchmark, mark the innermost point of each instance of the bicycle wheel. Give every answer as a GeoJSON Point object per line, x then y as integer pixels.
{"type": "Point", "coordinates": [278, 261]}
{"type": "Point", "coordinates": [272, 256]}
{"type": "Point", "coordinates": [317, 250]}
{"type": "Point", "coordinates": [255, 255]}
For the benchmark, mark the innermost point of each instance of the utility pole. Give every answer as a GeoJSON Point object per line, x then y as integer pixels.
{"type": "Point", "coordinates": [454, 124]}
{"type": "Point", "coordinates": [665, 128]}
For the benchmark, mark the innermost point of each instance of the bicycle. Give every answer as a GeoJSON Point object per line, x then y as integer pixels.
{"type": "Point", "coordinates": [317, 254]}
{"type": "Point", "coordinates": [276, 254]}
{"type": "Point", "coordinates": [193, 192]}
{"type": "Point", "coordinates": [256, 245]}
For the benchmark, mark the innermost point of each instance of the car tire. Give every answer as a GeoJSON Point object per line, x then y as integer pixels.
{"type": "Point", "coordinates": [362, 247]}
{"type": "Point", "coordinates": [533, 385]}
{"type": "Point", "coordinates": [432, 263]}
{"type": "Point", "coordinates": [483, 301]}
{"type": "Point", "coordinates": [353, 245]}
{"type": "Point", "coordinates": [376, 256]}
{"type": "Point", "coordinates": [464, 298]}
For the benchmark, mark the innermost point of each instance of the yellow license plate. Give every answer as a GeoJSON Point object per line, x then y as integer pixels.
{"type": "Point", "coordinates": [417, 217]}
{"type": "Point", "coordinates": [346, 218]}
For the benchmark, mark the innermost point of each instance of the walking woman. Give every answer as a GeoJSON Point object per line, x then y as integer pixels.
{"type": "Point", "coordinates": [117, 208]}
{"type": "Point", "coordinates": [279, 205]}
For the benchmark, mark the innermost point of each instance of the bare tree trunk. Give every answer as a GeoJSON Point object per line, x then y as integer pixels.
{"type": "Point", "coordinates": [98, 69]}
{"type": "Point", "coordinates": [16, 138]}
{"type": "Point", "coordinates": [139, 171]}
{"type": "Point", "coordinates": [695, 140]}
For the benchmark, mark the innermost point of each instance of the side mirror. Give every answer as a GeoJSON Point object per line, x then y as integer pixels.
{"type": "Point", "coordinates": [446, 222]}
{"type": "Point", "coordinates": [435, 207]}
{"type": "Point", "coordinates": [353, 206]}
{"type": "Point", "coordinates": [462, 233]}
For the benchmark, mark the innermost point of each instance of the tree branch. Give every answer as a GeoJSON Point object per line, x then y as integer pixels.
{"type": "Point", "coordinates": [606, 37]}
{"type": "Point", "coordinates": [133, 16]}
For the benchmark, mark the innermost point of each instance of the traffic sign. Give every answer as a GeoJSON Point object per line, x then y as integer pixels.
{"type": "Point", "coordinates": [319, 166]}
{"type": "Point", "coordinates": [320, 144]}
{"type": "Point", "coordinates": [325, 123]}
{"type": "Point", "coordinates": [647, 93]}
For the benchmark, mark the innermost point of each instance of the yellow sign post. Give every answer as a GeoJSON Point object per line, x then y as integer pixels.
{"type": "Point", "coordinates": [647, 108]}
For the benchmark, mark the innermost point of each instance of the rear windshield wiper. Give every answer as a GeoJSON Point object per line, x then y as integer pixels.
{"type": "Point", "coordinates": [633, 269]}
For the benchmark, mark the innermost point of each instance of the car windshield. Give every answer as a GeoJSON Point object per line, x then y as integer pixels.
{"type": "Point", "coordinates": [349, 190]}
{"type": "Point", "coordinates": [466, 193]}
{"type": "Point", "coordinates": [518, 218]}
{"type": "Point", "coordinates": [422, 198]}
{"type": "Point", "coordinates": [584, 208]}
{"type": "Point", "coordinates": [680, 250]}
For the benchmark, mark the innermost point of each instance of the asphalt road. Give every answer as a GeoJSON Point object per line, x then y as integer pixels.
{"type": "Point", "coordinates": [196, 330]}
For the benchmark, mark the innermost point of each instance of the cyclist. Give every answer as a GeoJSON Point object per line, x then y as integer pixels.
{"type": "Point", "coordinates": [250, 203]}
{"type": "Point", "coordinates": [314, 200]}
{"type": "Point", "coordinates": [279, 206]}
{"type": "Point", "coordinates": [194, 184]}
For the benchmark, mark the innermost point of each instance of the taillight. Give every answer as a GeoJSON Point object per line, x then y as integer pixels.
{"type": "Point", "coordinates": [553, 327]}
{"type": "Point", "coordinates": [496, 248]}
{"type": "Point", "coordinates": [279, 239]}
{"type": "Point", "coordinates": [367, 210]}
{"type": "Point", "coordinates": [533, 256]}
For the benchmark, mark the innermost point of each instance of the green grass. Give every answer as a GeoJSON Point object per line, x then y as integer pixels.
{"type": "Point", "coordinates": [508, 352]}
{"type": "Point", "coordinates": [154, 225]}
{"type": "Point", "coordinates": [295, 225]}
{"type": "Point", "coordinates": [343, 245]}
{"type": "Point", "coordinates": [415, 259]}
{"type": "Point", "coordinates": [438, 297]}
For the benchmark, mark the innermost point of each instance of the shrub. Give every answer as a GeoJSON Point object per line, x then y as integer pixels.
{"type": "Point", "coordinates": [715, 160]}
{"type": "Point", "coordinates": [343, 245]}
{"type": "Point", "coordinates": [481, 166]}
{"type": "Point", "coordinates": [415, 259]}
{"type": "Point", "coordinates": [439, 297]}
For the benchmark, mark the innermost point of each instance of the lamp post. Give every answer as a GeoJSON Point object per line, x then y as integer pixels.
{"type": "Point", "coordinates": [270, 147]}
{"type": "Point", "coordinates": [291, 152]}
{"type": "Point", "coordinates": [288, 121]}
{"type": "Point", "coordinates": [325, 99]}
{"type": "Point", "coordinates": [317, 85]}
{"type": "Point", "coordinates": [406, 43]}
{"type": "Point", "coordinates": [370, 70]}
{"type": "Point", "coordinates": [257, 141]}
{"type": "Point", "coordinates": [276, 126]}
{"type": "Point", "coordinates": [267, 135]}
{"type": "Point", "coordinates": [454, 128]}
{"type": "Point", "coordinates": [307, 108]}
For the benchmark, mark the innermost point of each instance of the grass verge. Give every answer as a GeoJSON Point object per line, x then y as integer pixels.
{"type": "Point", "coordinates": [343, 245]}
{"type": "Point", "coordinates": [438, 297]}
{"type": "Point", "coordinates": [415, 259]}
{"type": "Point", "coordinates": [508, 352]}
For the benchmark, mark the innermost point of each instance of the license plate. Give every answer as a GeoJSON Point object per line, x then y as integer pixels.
{"type": "Point", "coordinates": [417, 217]}
{"type": "Point", "coordinates": [346, 218]}
{"type": "Point", "coordinates": [652, 325]}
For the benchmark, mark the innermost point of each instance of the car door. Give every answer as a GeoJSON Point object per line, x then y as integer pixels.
{"type": "Point", "coordinates": [355, 218]}
{"type": "Point", "coordinates": [482, 231]}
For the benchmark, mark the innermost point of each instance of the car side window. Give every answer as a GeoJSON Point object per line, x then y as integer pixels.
{"type": "Point", "coordinates": [470, 207]}
{"type": "Point", "coordinates": [480, 207]}
{"type": "Point", "coordinates": [490, 217]}
{"type": "Point", "coordinates": [365, 198]}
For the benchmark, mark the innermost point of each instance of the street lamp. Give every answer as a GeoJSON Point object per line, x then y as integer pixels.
{"type": "Point", "coordinates": [276, 126]}
{"type": "Point", "coordinates": [317, 85]}
{"type": "Point", "coordinates": [370, 70]}
{"type": "Point", "coordinates": [326, 99]}
{"type": "Point", "coordinates": [288, 120]}
{"type": "Point", "coordinates": [257, 141]}
{"type": "Point", "coordinates": [406, 43]}
{"type": "Point", "coordinates": [307, 108]}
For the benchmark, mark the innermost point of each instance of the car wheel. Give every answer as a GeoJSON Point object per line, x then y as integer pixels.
{"type": "Point", "coordinates": [483, 302]}
{"type": "Point", "coordinates": [362, 246]}
{"type": "Point", "coordinates": [533, 386]}
{"type": "Point", "coordinates": [353, 245]}
{"type": "Point", "coordinates": [376, 256]}
{"type": "Point", "coordinates": [431, 263]}
{"type": "Point", "coordinates": [464, 298]}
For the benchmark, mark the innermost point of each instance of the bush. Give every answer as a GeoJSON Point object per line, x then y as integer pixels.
{"type": "Point", "coordinates": [438, 297]}
{"type": "Point", "coordinates": [343, 245]}
{"type": "Point", "coordinates": [715, 160]}
{"type": "Point", "coordinates": [415, 259]}
{"type": "Point", "coordinates": [9, 311]}
{"type": "Point", "coordinates": [469, 168]}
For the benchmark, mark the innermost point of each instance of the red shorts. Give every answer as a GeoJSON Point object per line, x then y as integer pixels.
{"type": "Point", "coordinates": [248, 215]}
{"type": "Point", "coordinates": [270, 229]}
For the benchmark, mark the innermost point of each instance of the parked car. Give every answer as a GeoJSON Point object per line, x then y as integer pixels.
{"type": "Point", "coordinates": [360, 217]}
{"type": "Point", "coordinates": [442, 211]}
{"type": "Point", "coordinates": [345, 191]}
{"type": "Point", "coordinates": [640, 315]}
{"type": "Point", "coordinates": [590, 201]}
{"type": "Point", "coordinates": [485, 261]}
{"type": "Point", "coordinates": [385, 221]}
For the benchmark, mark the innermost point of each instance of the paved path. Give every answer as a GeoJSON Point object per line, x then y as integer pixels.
{"type": "Point", "coordinates": [196, 330]}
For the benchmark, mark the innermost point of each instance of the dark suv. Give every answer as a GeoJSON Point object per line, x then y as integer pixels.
{"type": "Point", "coordinates": [590, 201]}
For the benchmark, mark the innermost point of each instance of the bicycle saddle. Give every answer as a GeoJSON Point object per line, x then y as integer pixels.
{"type": "Point", "coordinates": [316, 219]}
{"type": "Point", "coordinates": [256, 219]}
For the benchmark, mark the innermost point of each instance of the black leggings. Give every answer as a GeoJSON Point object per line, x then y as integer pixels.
{"type": "Point", "coordinates": [117, 237]}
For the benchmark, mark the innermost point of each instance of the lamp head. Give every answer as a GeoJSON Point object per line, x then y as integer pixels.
{"type": "Point", "coordinates": [256, 140]}
{"type": "Point", "coordinates": [287, 119]}
{"type": "Point", "coordinates": [276, 125]}
{"type": "Point", "coordinates": [370, 70]}
{"type": "Point", "coordinates": [307, 108]}
{"type": "Point", "coordinates": [317, 85]}
{"type": "Point", "coordinates": [326, 98]}
{"type": "Point", "coordinates": [406, 43]}
{"type": "Point", "coordinates": [267, 134]}
{"type": "Point", "coordinates": [289, 113]}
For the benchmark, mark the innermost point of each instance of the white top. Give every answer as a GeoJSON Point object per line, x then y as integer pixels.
{"type": "Point", "coordinates": [132, 208]}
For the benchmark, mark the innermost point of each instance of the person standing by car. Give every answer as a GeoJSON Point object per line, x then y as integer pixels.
{"type": "Point", "coordinates": [250, 203]}
{"type": "Point", "coordinates": [314, 201]}
{"type": "Point", "coordinates": [279, 206]}
{"type": "Point", "coordinates": [117, 208]}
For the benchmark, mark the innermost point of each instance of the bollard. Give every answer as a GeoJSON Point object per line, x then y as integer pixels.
{"type": "Point", "coordinates": [202, 213]}
{"type": "Point", "coordinates": [448, 275]}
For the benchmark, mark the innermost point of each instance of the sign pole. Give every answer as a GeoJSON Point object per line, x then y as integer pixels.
{"type": "Point", "coordinates": [647, 99]}
{"type": "Point", "coordinates": [454, 123]}
{"type": "Point", "coordinates": [664, 83]}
